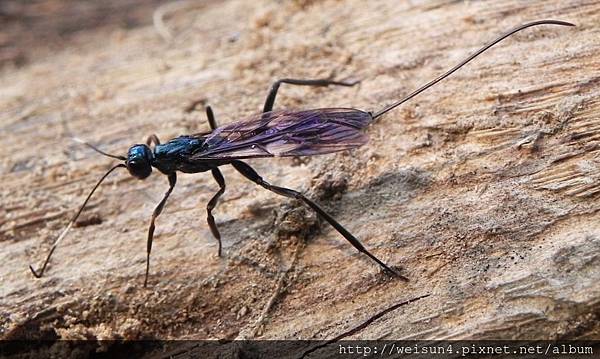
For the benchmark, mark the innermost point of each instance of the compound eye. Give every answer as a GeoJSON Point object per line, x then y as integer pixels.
{"type": "Point", "coordinates": [139, 168]}
{"type": "Point", "coordinates": [139, 160]}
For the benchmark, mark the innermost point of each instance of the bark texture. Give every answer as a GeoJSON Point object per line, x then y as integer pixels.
{"type": "Point", "coordinates": [485, 189]}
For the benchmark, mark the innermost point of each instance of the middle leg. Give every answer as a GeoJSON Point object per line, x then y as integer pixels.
{"type": "Point", "coordinates": [211, 205]}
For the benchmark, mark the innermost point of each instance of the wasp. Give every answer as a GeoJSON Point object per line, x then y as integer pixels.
{"type": "Point", "coordinates": [271, 133]}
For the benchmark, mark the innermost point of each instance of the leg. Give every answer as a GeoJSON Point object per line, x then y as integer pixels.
{"type": "Point", "coordinates": [157, 210]}
{"type": "Point", "coordinates": [249, 173]}
{"type": "Point", "coordinates": [321, 82]}
{"type": "Point", "coordinates": [211, 205]}
{"type": "Point", "coordinates": [211, 118]}
{"type": "Point", "coordinates": [152, 139]}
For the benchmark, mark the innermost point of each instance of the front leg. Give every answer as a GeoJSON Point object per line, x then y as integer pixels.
{"type": "Point", "coordinates": [249, 173]}
{"type": "Point", "coordinates": [156, 213]}
{"type": "Point", "coordinates": [211, 205]}
{"type": "Point", "coordinates": [152, 139]}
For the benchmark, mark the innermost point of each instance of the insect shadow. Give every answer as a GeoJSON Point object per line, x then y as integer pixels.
{"type": "Point", "coordinates": [279, 133]}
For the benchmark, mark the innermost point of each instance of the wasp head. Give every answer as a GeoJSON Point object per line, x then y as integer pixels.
{"type": "Point", "coordinates": [139, 161]}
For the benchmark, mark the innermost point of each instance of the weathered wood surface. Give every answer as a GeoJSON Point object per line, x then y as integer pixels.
{"type": "Point", "coordinates": [485, 189]}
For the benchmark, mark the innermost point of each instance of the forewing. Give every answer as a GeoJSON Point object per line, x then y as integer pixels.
{"type": "Point", "coordinates": [287, 133]}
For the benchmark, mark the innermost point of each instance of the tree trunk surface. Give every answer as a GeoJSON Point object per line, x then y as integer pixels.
{"type": "Point", "coordinates": [484, 190]}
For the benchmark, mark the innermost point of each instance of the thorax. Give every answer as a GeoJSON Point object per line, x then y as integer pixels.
{"type": "Point", "coordinates": [175, 155]}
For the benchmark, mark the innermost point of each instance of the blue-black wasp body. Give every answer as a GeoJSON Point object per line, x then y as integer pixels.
{"type": "Point", "coordinates": [173, 156]}
{"type": "Point", "coordinates": [271, 133]}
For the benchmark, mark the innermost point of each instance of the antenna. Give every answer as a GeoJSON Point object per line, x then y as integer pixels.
{"type": "Point", "coordinates": [40, 273]}
{"type": "Point", "coordinates": [122, 158]}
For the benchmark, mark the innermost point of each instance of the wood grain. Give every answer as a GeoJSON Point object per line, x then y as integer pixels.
{"type": "Point", "coordinates": [484, 189]}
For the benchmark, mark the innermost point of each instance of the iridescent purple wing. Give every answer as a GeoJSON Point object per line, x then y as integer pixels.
{"type": "Point", "coordinates": [287, 133]}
